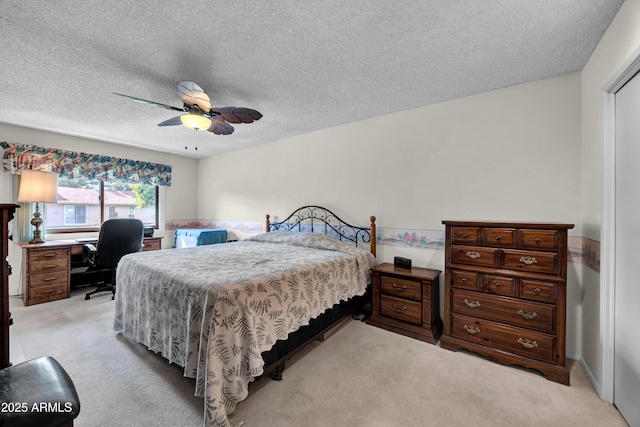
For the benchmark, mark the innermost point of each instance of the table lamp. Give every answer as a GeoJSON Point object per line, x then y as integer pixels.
{"type": "Point", "coordinates": [38, 187]}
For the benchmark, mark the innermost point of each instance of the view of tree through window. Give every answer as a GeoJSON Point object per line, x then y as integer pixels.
{"type": "Point", "coordinates": [79, 206]}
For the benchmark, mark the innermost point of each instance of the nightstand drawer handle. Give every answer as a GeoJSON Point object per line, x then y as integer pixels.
{"type": "Point", "coordinates": [471, 304]}
{"type": "Point", "coordinates": [528, 260]}
{"type": "Point", "coordinates": [527, 343]}
{"type": "Point", "coordinates": [473, 330]}
{"type": "Point", "coordinates": [528, 315]}
{"type": "Point", "coordinates": [399, 288]}
{"type": "Point", "coordinates": [399, 310]}
{"type": "Point", "coordinates": [473, 254]}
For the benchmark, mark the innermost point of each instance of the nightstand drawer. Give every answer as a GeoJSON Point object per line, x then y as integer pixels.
{"type": "Point", "coordinates": [401, 309]}
{"type": "Point", "coordinates": [402, 288]}
{"type": "Point", "coordinates": [504, 309]}
{"type": "Point", "coordinates": [520, 341]}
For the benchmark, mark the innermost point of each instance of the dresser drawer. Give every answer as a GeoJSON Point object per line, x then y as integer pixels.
{"type": "Point", "coordinates": [403, 288]}
{"type": "Point", "coordinates": [500, 285]}
{"type": "Point", "coordinates": [505, 309]}
{"type": "Point", "coordinates": [500, 237]}
{"type": "Point", "coordinates": [539, 240]}
{"type": "Point", "coordinates": [520, 341]}
{"type": "Point", "coordinates": [401, 309]}
{"type": "Point", "coordinates": [464, 280]}
{"type": "Point", "coordinates": [51, 292]}
{"type": "Point", "coordinates": [539, 291]}
{"type": "Point", "coordinates": [465, 235]}
{"type": "Point", "coordinates": [534, 262]}
{"type": "Point", "coordinates": [49, 278]}
{"type": "Point", "coordinates": [475, 255]}
{"type": "Point", "coordinates": [53, 264]}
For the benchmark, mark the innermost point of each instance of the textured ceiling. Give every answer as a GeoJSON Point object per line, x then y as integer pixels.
{"type": "Point", "coordinates": [304, 65]}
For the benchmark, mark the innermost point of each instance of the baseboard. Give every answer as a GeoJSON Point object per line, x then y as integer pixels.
{"type": "Point", "coordinates": [587, 371]}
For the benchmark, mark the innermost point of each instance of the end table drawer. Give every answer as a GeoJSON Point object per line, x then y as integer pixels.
{"type": "Point", "coordinates": [401, 309]}
{"type": "Point", "coordinates": [402, 288]}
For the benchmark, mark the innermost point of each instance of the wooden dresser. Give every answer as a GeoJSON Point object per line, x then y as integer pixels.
{"type": "Point", "coordinates": [406, 301]}
{"type": "Point", "coordinates": [46, 268]}
{"type": "Point", "coordinates": [505, 293]}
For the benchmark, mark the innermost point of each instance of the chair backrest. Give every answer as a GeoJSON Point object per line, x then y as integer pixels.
{"type": "Point", "coordinates": [118, 237]}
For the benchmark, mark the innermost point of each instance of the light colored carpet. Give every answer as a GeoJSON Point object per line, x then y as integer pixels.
{"type": "Point", "coordinates": [360, 376]}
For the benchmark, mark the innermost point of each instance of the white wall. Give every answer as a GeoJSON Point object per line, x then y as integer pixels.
{"type": "Point", "coordinates": [510, 154]}
{"type": "Point", "coordinates": [620, 40]}
{"type": "Point", "coordinates": [177, 201]}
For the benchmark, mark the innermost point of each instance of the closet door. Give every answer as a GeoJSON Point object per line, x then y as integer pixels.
{"type": "Point", "coordinates": [626, 387]}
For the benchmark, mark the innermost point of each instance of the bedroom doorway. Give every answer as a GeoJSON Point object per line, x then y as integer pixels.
{"type": "Point", "coordinates": [621, 202]}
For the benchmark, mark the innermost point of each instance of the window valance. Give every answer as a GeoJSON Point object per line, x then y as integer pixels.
{"type": "Point", "coordinates": [73, 164]}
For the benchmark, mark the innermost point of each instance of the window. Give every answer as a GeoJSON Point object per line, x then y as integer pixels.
{"type": "Point", "coordinates": [84, 204]}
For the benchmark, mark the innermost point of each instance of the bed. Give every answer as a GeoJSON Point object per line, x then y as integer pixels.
{"type": "Point", "coordinates": [231, 312]}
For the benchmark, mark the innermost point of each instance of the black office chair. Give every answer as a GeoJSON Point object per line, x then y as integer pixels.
{"type": "Point", "coordinates": [118, 237]}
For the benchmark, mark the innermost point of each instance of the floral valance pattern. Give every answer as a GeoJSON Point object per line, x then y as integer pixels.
{"type": "Point", "coordinates": [74, 164]}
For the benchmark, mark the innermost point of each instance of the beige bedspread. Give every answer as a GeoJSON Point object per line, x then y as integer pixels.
{"type": "Point", "coordinates": [214, 309]}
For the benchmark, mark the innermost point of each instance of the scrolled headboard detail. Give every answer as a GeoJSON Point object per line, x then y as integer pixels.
{"type": "Point", "coordinates": [311, 217]}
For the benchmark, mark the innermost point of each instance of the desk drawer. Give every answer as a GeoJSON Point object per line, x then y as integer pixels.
{"type": "Point", "coordinates": [48, 293]}
{"type": "Point", "coordinates": [54, 264]}
{"type": "Point", "coordinates": [50, 278]}
{"type": "Point", "coordinates": [48, 255]}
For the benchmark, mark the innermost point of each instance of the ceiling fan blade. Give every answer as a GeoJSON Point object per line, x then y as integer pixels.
{"type": "Point", "coordinates": [144, 101]}
{"type": "Point", "coordinates": [192, 94]}
{"type": "Point", "coordinates": [220, 128]}
{"type": "Point", "coordinates": [171, 122]}
{"type": "Point", "coordinates": [238, 114]}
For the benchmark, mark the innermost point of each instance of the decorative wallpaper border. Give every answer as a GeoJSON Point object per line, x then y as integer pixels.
{"type": "Point", "coordinates": [581, 250]}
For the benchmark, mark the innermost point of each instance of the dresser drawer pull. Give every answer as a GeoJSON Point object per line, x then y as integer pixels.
{"type": "Point", "coordinates": [473, 330]}
{"type": "Point", "coordinates": [528, 260]}
{"type": "Point", "coordinates": [538, 240]}
{"type": "Point", "coordinates": [528, 315]}
{"type": "Point", "coordinates": [465, 235]}
{"type": "Point", "coordinates": [527, 343]}
{"type": "Point", "coordinates": [498, 238]}
{"type": "Point", "coordinates": [399, 288]}
{"type": "Point", "coordinates": [498, 284]}
{"type": "Point", "coordinates": [471, 304]}
{"type": "Point", "coordinates": [537, 290]}
{"type": "Point", "coordinates": [473, 254]}
{"type": "Point", "coordinates": [399, 310]}
{"type": "Point", "coordinates": [464, 279]}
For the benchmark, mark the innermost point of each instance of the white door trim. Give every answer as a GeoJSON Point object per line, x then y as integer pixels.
{"type": "Point", "coordinates": [608, 243]}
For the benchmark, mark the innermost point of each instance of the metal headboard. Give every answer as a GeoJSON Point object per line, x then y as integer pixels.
{"type": "Point", "coordinates": [309, 218]}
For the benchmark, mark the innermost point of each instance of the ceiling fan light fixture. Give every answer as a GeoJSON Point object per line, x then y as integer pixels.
{"type": "Point", "coordinates": [195, 121]}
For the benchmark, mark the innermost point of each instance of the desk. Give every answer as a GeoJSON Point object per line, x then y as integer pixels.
{"type": "Point", "coordinates": [46, 268]}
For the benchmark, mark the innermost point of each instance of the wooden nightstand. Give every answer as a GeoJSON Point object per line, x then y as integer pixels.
{"type": "Point", "coordinates": [406, 301]}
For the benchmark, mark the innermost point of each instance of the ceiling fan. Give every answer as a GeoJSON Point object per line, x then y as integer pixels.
{"type": "Point", "coordinates": [199, 114]}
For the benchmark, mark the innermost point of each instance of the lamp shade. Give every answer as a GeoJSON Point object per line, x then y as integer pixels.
{"type": "Point", "coordinates": [38, 186]}
{"type": "Point", "coordinates": [195, 121]}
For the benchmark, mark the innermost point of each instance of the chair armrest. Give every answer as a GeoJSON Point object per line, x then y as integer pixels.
{"type": "Point", "coordinates": [89, 252]}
